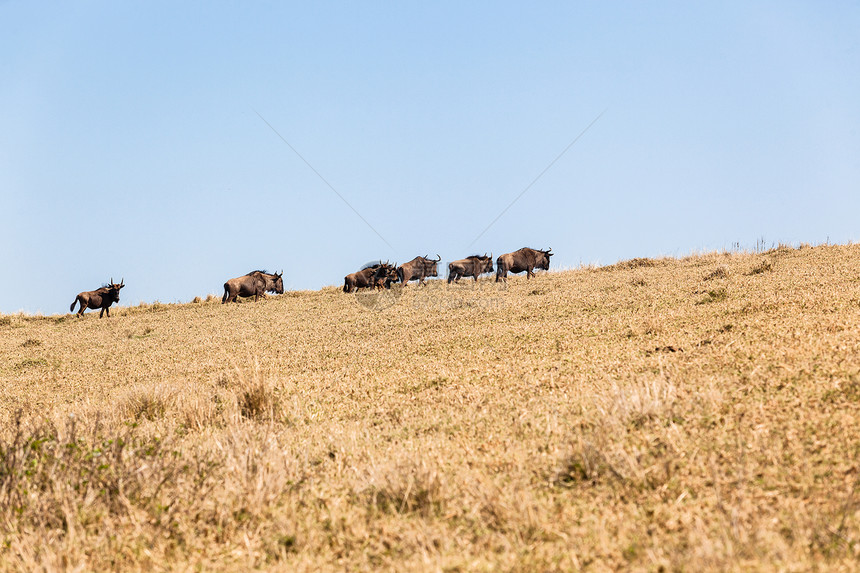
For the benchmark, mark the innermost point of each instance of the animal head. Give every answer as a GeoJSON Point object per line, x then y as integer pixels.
{"type": "Point", "coordinates": [113, 289]}
{"type": "Point", "coordinates": [542, 261]}
{"type": "Point", "coordinates": [278, 282]}
{"type": "Point", "coordinates": [488, 263]}
{"type": "Point", "coordinates": [430, 265]}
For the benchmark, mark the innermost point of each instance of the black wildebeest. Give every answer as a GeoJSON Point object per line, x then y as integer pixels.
{"type": "Point", "coordinates": [471, 266]}
{"type": "Point", "coordinates": [255, 284]}
{"type": "Point", "coordinates": [525, 259]}
{"type": "Point", "coordinates": [100, 298]}
{"type": "Point", "coordinates": [418, 268]}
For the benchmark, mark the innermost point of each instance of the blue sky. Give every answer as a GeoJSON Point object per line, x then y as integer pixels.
{"type": "Point", "coordinates": [134, 139]}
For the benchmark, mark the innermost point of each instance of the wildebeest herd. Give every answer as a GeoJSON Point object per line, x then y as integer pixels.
{"type": "Point", "coordinates": [377, 276]}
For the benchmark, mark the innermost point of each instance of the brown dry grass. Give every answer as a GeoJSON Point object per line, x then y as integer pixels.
{"type": "Point", "coordinates": [696, 414]}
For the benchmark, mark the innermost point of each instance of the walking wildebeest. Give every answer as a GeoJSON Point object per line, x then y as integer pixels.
{"type": "Point", "coordinates": [525, 259]}
{"type": "Point", "coordinates": [385, 276]}
{"type": "Point", "coordinates": [365, 278]}
{"type": "Point", "coordinates": [376, 275]}
{"type": "Point", "coordinates": [255, 284]}
{"type": "Point", "coordinates": [471, 266]}
{"type": "Point", "coordinates": [418, 268]}
{"type": "Point", "coordinates": [101, 298]}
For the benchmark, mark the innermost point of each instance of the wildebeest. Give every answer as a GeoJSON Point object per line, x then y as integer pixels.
{"type": "Point", "coordinates": [100, 298]}
{"type": "Point", "coordinates": [471, 266]}
{"type": "Point", "coordinates": [385, 275]}
{"type": "Point", "coordinates": [255, 284]}
{"type": "Point", "coordinates": [418, 268]}
{"type": "Point", "coordinates": [525, 259]}
{"type": "Point", "coordinates": [365, 278]}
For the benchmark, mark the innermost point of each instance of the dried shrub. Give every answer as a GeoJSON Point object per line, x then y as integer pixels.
{"type": "Point", "coordinates": [256, 394]}
{"type": "Point", "coordinates": [720, 272]}
{"type": "Point", "coordinates": [715, 295]}
{"type": "Point", "coordinates": [148, 402]}
{"type": "Point", "coordinates": [403, 488]}
{"type": "Point", "coordinates": [765, 266]}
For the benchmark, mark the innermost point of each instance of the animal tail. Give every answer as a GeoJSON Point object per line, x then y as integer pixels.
{"type": "Point", "coordinates": [345, 285]}
{"type": "Point", "coordinates": [226, 292]}
{"type": "Point", "coordinates": [74, 302]}
{"type": "Point", "coordinates": [400, 275]}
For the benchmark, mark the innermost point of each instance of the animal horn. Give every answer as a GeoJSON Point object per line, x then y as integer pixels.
{"type": "Point", "coordinates": [122, 281]}
{"type": "Point", "coordinates": [439, 257]}
{"type": "Point", "coordinates": [111, 280]}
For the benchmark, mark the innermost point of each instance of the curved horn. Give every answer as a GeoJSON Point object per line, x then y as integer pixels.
{"type": "Point", "coordinates": [439, 257]}
{"type": "Point", "coordinates": [122, 281]}
{"type": "Point", "coordinates": [111, 280]}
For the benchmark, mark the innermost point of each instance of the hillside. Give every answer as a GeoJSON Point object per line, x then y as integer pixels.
{"type": "Point", "coordinates": [699, 413]}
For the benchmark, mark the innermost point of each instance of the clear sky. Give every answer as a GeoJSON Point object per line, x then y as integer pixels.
{"type": "Point", "coordinates": [162, 142]}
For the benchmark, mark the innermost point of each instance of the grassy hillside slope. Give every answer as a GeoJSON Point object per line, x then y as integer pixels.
{"type": "Point", "coordinates": [701, 413]}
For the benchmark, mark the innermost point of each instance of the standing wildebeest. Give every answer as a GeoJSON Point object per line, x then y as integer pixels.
{"type": "Point", "coordinates": [101, 298]}
{"type": "Point", "coordinates": [471, 266]}
{"type": "Point", "coordinates": [525, 259]}
{"type": "Point", "coordinates": [255, 284]}
{"type": "Point", "coordinates": [418, 268]}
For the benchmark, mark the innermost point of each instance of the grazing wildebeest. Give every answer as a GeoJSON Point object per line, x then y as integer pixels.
{"type": "Point", "coordinates": [418, 268]}
{"type": "Point", "coordinates": [255, 284]}
{"type": "Point", "coordinates": [101, 298]}
{"type": "Point", "coordinates": [471, 266]}
{"type": "Point", "coordinates": [525, 259]}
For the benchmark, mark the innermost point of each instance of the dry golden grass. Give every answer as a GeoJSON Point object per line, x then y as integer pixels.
{"type": "Point", "coordinates": [693, 414]}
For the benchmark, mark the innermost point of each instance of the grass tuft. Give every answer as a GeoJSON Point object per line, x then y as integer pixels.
{"type": "Point", "coordinates": [764, 266]}
{"type": "Point", "coordinates": [721, 272]}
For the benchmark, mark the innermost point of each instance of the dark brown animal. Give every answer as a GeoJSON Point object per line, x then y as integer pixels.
{"type": "Point", "coordinates": [418, 268]}
{"type": "Point", "coordinates": [365, 278]}
{"type": "Point", "coordinates": [471, 266]}
{"type": "Point", "coordinates": [385, 276]}
{"type": "Point", "coordinates": [100, 298]}
{"type": "Point", "coordinates": [525, 259]}
{"type": "Point", "coordinates": [255, 284]}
